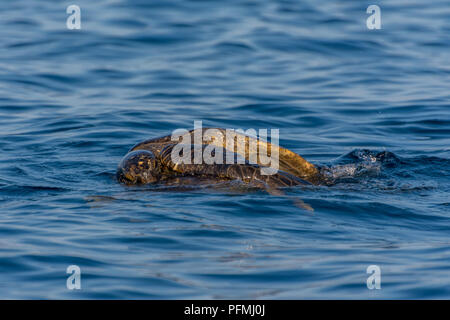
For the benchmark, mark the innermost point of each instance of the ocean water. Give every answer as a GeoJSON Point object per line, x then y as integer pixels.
{"type": "Point", "coordinates": [373, 105]}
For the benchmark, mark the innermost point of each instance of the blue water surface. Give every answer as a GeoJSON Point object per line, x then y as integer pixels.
{"type": "Point", "coordinates": [371, 104]}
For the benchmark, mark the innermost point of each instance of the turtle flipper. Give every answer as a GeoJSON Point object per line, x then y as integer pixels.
{"type": "Point", "coordinates": [275, 191]}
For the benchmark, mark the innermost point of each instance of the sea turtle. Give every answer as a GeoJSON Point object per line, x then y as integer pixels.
{"type": "Point", "coordinates": [150, 161]}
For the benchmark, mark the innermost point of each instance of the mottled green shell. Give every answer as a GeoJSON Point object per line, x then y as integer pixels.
{"type": "Point", "coordinates": [246, 172]}
{"type": "Point", "coordinates": [289, 161]}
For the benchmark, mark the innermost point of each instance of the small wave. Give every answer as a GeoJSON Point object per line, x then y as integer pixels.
{"type": "Point", "coordinates": [384, 170]}
{"type": "Point", "coordinates": [31, 189]}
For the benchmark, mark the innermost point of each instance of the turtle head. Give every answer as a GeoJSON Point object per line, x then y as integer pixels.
{"type": "Point", "coordinates": [138, 167]}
